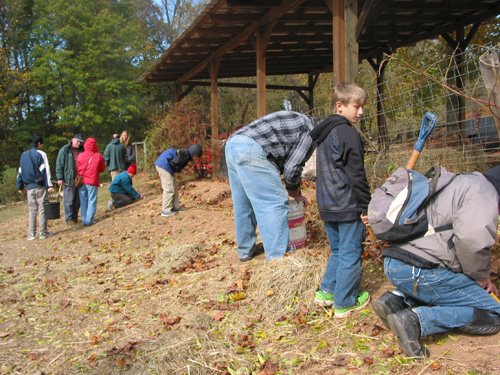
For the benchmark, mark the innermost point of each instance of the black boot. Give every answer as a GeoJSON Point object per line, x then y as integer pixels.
{"type": "Point", "coordinates": [482, 324]}
{"type": "Point", "coordinates": [406, 327]}
{"type": "Point", "coordinates": [388, 304]}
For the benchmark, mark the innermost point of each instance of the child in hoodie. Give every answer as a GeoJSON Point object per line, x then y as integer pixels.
{"type": "Point", "coordinates": [90, 164]}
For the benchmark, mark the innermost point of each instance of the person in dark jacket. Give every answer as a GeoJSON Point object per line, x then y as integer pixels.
{"type": "Point", "coordinates": [121, 189]}
{"type": "Point", "coordinates": [115, 157]}
{"type": "Point", "coordinates": [66, 172]}
{"type": "Point", "coordinates": [256, 157]}
{"type": "Point", "coordinates": [443, 278]}
{"type": "Point", "coordinates": [90, 164]}
{"type": "Point", "coordinates": [343, 195]}
{"type": "Point", "coordinates": [172, 161]}
{"type": "Point", "coordinates": [33, 173]}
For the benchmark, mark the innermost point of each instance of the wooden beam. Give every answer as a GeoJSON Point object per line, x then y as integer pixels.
{"type": "Point", "coordinates": [273, 14]}
{"type": "Point", "coordinates": [247, 85]}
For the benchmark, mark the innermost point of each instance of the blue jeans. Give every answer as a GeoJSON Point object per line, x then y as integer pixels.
{"type": "Point", "coordinates": [71, 202]}
{"type": "Point", "coordinates": [259, 198]}
{"type": "Point", "coordinates": [453, 296]}
{"type": "Point", "coordinates": [88, 201]}
{"type": "Point", "coordinates": [344, 270]}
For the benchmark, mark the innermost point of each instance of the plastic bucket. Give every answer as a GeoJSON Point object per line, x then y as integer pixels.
{"type": "Point", "coordinates": [52, 210]}
{"type": "Point", "coordinates": [297, 225]}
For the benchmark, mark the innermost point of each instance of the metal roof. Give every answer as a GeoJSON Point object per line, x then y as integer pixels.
{"type": "Point", "coordinates": [301, 38]}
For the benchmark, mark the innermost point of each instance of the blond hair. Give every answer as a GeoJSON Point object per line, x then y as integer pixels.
{"type": "Point", "coordinates": [125, 138]}
{"type": "Point", "coordinates": [347, 93]}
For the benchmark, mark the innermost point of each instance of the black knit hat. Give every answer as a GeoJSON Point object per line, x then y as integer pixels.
{"type": "Point", "coordinates": [195, 150]}
{"type": "Point", "coordinates": [493, 176]}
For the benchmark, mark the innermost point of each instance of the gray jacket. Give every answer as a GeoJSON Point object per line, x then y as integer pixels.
{"type": "Point", "coordinates": [470, 204]}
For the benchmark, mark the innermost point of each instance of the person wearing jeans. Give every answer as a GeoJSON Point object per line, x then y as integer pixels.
{"type": "Point", "coordinates": [90, 164]}
{"type": "Point", "coordinates": [66, 171]}
{"type": "Point", "coordinates": [256, 156]}
{"type": "Point", "coordinates": [343, 195]}
{"type": "Point", "coordinates": [442, 279]}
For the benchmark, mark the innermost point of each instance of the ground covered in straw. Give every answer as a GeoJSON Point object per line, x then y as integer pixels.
{"type": "Point", "coordinates": [141, 294]}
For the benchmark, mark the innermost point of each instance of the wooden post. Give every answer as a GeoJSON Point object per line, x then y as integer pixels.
{"type": "Point", "coordinates": [178, 92]}
{"type": "Point", "coordinates": [352, 48]}
{"type": "Point", "coordinates": [490, 70]}
{"type": "Point", "coordinates": [214, 72]}
{"type": "Point", "coordinates": [339, 41]}
{"type": "Point", "coordinates": [262, 35]}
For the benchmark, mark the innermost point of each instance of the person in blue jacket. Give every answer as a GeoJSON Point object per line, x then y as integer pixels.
{"type": "Point", "coordinates": [172, 161]}
{"type": "Point", "coordinates": [33, 173]}
{"type": "Point", "coordinates": [122, 192]}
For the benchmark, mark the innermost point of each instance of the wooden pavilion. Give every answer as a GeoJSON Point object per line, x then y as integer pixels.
{"type": "Point", "coordinates": [256, 38]}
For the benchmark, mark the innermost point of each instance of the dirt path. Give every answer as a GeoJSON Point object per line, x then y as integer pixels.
{"type": "Point", "coordinates": [137, 293]}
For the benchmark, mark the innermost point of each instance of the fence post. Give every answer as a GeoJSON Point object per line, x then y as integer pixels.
{"type": "Point", "coordinates": [490, 70]}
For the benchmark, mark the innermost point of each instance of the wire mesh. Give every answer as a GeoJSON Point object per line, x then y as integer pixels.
{"type": "Point", "coordinates": [453, 88]}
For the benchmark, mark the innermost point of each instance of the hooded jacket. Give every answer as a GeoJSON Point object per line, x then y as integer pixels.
{"type": "Point", "coordinates": [342, 189]}
{"type": "Point", "coordinates": [96, 165]}
{"type": "Point", "coordinates": [174, 160]}
{"type": "Point", "coordinates": [115, 155]}
{"type": "Point", "coordinates": [470, 204]}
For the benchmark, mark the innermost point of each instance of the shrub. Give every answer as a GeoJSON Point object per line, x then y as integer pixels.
{"type": "Point", "coordinates": [183, 125]}
{"type": "Point", "coordinates": [8, 189]}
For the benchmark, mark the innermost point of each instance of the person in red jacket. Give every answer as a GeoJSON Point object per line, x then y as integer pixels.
{"type": "Point", "coordinates": [90, 164]}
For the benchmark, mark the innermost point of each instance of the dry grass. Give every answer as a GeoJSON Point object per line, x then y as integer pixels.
{"type": "Point", "coordinates": [136, 294]}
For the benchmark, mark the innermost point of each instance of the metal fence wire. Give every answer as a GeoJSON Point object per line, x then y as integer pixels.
{"type": "Point", "coordinates": [462, 89]}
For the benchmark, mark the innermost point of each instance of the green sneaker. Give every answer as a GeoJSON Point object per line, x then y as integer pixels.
{"type": "Point", "coordinates": [361, 302]}
{"type": "Point", "coordinates": [323, 299]}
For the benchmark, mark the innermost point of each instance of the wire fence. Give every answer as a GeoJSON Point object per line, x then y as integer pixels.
{"type": "Point", "coordinates": [461, 89]}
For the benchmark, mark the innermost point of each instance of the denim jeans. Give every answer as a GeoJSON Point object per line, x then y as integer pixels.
{"type": "Point", "coordinates": [259, 198]}
{"type": "Point", "coordinates": [344, 270]}
{"type": "Point", "coordinates": [453, 296]}
{"type": "Point", "coordinates": [71, 202]}
{"type": "Point", "coordinates": [88, 201]}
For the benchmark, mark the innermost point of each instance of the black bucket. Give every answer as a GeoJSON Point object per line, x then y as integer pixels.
{"type": "Point", "coordinates": [52, 210]}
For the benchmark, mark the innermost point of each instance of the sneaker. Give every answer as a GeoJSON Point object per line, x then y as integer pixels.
{"type": "Point", "coordinates": [168, 213]}
{"type": "Point", "coordinates": [406, 326]}
{"type": "Point", "coordinates": [388, 304]}
{"type": "Point", "coordinates": [31, 237]}
{"type": "Point", "coordinates": [180, 209]}
{"type": "Point", "coordinates": [45, 234]}
{"type": "Point", "coordinates": [110, 205]}
{"type": "Point", "coordinates": [323, 298]}
{"type": "Point", "coordinates": [361, 302]}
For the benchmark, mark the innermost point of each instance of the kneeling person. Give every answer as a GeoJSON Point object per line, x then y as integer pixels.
{"type": "Point", "coordinates": [122, 192]}
{"type": "Point", "coordinates": [443, 279]}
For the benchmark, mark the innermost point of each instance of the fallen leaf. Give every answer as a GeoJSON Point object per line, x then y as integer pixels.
{"type": "Point", "coordinates": [270, 292]}
{"type": "Point", "coordinates": [303, 309]}
{"type": "Point", "coordinates": [435, 366]}
{"type": "Point", "coordinates": [219, 316]}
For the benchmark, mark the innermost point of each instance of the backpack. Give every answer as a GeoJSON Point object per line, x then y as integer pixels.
{"type": "Point", "coordinates": [396, 212]}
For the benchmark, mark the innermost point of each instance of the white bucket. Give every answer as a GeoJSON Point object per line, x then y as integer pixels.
{"type": "Point", "coordinates": [297, 225]}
